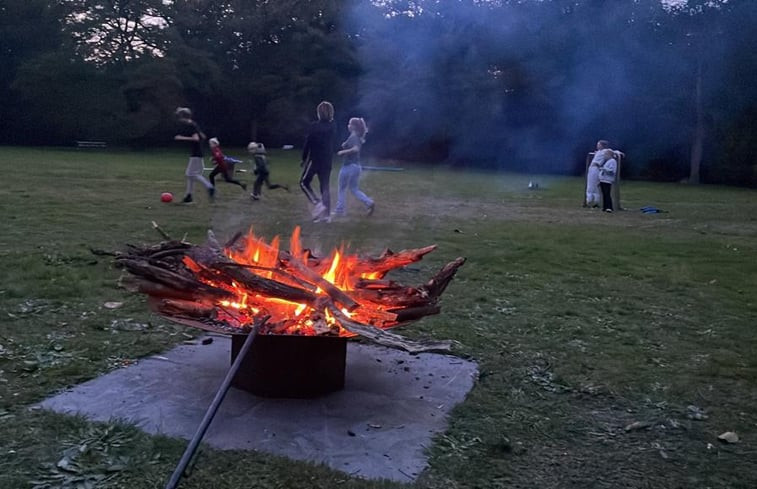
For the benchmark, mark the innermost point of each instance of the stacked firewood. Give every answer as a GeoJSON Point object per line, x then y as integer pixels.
{"type": "Point", "coordinates": [201, 286]}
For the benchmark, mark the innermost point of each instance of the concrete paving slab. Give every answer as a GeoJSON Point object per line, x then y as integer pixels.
{"type": "Point", "coordinates": [377, 427]}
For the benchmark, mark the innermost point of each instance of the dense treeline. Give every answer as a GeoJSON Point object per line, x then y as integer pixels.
{"type": "Point", "coordinates": [520, 85]}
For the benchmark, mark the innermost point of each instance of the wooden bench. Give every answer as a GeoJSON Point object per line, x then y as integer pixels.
{"type": "Point", "coordinates": [91, 144]}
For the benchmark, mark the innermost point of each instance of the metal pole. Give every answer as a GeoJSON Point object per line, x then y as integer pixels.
{"type": "Point", "coordinates": [211, 412]}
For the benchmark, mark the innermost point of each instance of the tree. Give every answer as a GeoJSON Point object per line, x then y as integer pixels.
{"type": "Point", "coordinates": [28, 28]}
{"type": "Point", "coordinates": [116, 31]}
{"type": "Point", "coordinates": [274, 59]}
{"type": "Point", "coordinates": [65, 99]}
{"type": "Point", "coordinates": [696, 28]}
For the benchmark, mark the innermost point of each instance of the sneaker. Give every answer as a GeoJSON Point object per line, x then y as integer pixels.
{"type": "Point", "coordinates": [371, 208]}
{"type": "Point", "coordinates": [608, 210]}
{"type": "Point", "coordinates": [318, 210]}
{"type": "Point", "coordinates": [255, 196]}
{"type": "Point", "coordinates": [187, 199]}
{"type": "Point", "coordinates": [323, 218]}
{"type": "Point", "coordinates": [212, 193]}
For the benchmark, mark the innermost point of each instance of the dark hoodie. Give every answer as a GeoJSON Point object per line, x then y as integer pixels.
{"type": "Point", "coordinates": [319, 144]}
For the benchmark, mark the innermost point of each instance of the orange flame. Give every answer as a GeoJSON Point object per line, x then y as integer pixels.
{"type": "Point", "coordinates": [294, 268]}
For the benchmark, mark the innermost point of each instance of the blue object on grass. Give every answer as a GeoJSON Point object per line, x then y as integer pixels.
{"type": "Point", "coordinates": [651, 210]}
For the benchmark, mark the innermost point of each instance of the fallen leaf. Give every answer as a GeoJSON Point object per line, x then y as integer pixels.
{"type": "Point", "coordinates": [65, 464]}
{"type": "Point", "coordinates": [113, 305]}
{"type": "Point", "coordinates": [729, 437]}
{"type": "Point", "coordinates": [695, 412]}
{"type": "Point", "coordinates": [638, 425]}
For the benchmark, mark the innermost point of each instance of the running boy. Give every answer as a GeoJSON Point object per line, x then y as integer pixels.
{"type": "Point", "coordinates": [221, 165]}
{"type": "Point", "coordinates": [257, 150]}
{"type": "Point", "coordinates": [189, 131]}
{"type": "Point", "coordinates": [316, 160]}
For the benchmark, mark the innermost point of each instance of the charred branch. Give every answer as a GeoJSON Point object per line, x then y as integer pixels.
{"type": "Point", "coordinates": [170, 279]}
{"type": "Point", "coordinates": [390, 260]}
{"type": "Point", "coordinates": [441, 280]}
{"type": "Point", "coordinates": [386, 338]}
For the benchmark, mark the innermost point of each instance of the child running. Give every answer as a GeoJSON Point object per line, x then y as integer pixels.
{"type": "Point", "coordinates": [257, 150]}
{"type": "Point", "coordinates": [221, 165]}
{"type": "Point", "coordinates": [190, 132]}
{"type": "Point", "coordinates": [349, 175]}
{"type": "Point", "coordinates": [316, 161]}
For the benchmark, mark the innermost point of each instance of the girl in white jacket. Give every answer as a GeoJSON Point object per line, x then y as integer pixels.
{"type": "Point", "coordinates": [607, 175]}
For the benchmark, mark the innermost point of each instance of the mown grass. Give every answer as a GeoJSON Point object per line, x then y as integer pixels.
{"type": "Point", "coordinates": [582, 323]}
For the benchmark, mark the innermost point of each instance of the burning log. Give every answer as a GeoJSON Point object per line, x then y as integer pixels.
{"type": "Point", "coordinates": [157, 290]}
{"type": "Point", "coordinates": [262, 285]}
{"type": "Point", "coordinates": [178, 307]}
{"type": "Point", "coordinates": [229, 288]}
{"type": "Point", "coordinates": [169, 278]}
{"type": "Point", "coordinates": [389, 260]}
{"type": "Point", "coordinates": [333, 292]}
{"type": "Point", "coordinates": [389, 339]}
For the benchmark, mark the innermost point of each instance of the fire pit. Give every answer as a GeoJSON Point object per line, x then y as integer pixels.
{"type": "Point", "coordinates": [290, 366]}
{"type": "Point", "coordinates": [289, 312]}
{"type": "Point", "coordinates": [311, 304]}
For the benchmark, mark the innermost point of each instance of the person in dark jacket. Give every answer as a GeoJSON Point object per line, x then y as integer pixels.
{"type": "Point", "coordinates": [316, 161]}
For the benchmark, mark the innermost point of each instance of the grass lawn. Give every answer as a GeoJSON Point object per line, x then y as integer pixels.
{"type": "Point", "coordinates": [583, 323]}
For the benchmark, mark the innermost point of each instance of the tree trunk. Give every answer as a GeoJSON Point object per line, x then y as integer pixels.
{"type": "Point", "coordinates": [698, 142]}
{"type": "Point", "coordinates": [615, 190]}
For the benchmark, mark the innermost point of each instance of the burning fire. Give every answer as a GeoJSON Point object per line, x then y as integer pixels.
{"type": "Point", "coordinates": [232, 287]}
{"type": "Point", "coordinates": [340, 270]}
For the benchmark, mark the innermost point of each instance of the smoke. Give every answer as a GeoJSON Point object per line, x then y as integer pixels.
{"type": "Point", "coordinates": [527, 85]}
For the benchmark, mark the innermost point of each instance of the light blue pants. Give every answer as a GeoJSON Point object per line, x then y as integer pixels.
{"type": "Point", "coordinates": [194, 172]}
{"type": "Point", "coordinates": [349, 179]}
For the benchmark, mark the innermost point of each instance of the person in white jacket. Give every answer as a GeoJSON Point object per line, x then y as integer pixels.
{"type": "Point", "coordinates": [593, 198]}
{"type": "Point", "coordinates": [607, 175]}
{"type": "Point", "coordinates": [592, 184]}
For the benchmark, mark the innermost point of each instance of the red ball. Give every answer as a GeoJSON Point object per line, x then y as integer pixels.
{"type": "Point", "coordinates": [166, 197]}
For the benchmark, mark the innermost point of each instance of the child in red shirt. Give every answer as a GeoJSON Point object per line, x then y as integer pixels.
{"type": "Point", "coordinates": [221, 165]}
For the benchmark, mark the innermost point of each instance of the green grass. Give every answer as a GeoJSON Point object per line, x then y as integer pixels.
{"type": "Point", "coordinates": [581, 322]}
